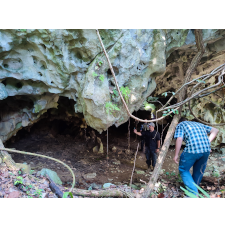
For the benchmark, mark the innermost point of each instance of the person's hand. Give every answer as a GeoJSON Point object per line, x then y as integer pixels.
{"type": "Point", "coordinates": [135, 131]}
{"type": "Point", "coordinates": [175, 159]}
{"type": "Point", "coordinates": [210, 150]}
{"type": "Point", "coordinates": [157, 150]}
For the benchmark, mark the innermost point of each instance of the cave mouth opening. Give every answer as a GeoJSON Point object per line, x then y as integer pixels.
{"type": "Point", "coordinates": [65, 137]}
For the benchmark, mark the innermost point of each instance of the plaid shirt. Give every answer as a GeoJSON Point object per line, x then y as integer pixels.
{"type": "Point", "coordinates": [194, 135]}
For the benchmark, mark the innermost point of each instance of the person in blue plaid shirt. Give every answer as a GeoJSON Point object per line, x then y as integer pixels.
{"type": "Point", "coordinates": [196, 151]}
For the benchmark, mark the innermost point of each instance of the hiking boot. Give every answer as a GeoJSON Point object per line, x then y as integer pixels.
{"type": "Point", "coordinates": [152, 168]}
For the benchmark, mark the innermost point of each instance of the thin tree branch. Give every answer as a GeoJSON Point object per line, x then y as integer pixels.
{"type": "Point", "coordinates": [134, 166]}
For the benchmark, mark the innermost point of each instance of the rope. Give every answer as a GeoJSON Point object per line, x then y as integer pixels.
{"type": "Point", "coordinates": [43, 156]}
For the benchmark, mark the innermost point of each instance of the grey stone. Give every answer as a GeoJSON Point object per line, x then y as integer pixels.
{"type": "Point", "coordinates": [24, 167]}
{"type": "Point", "coordinates": [52, 175]}
{"type": "Point", "coordinates": [95, 149]}
{"type": "Point", "coordinates": [222, 151]}
{"type": "Point", "coordinates": [44, 68]}
{"type": "Point", "coordinates": [107, 185]}
{"type": "Point", "coordinates": [95, 186]}
{"type": "Point", "coordinates": [3, 92]}
{"type": "Point", "coordinates": [114, 149]}
{"type": "Point", "coordinates": [207, 174]}
{"type": "Point", "coordinates": [116, 162]}
{"type": "Point", "coordinates": [90, 175]}
{"type": "Point", "coordinates": [139, 172]}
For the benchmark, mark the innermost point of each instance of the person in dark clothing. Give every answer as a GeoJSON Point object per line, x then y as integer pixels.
{"type": "Point", "coordinates": [152, 144]}
{"type": "Point", "coordinates": [145, 127]}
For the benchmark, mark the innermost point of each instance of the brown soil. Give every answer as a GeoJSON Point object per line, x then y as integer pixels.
{"type": "Point", "coordinates": [77, 152]}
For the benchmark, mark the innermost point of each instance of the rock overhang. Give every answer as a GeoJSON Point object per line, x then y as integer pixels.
{"type": "Point", "coordinates": [47, 64]}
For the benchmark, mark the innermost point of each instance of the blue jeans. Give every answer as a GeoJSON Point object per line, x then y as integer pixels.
{"type": "Point", "coordinates": [199, 162]}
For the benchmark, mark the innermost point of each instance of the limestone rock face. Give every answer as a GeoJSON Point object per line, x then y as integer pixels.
{"type": "Point", "coordinates": [172, 79]}
{"type": "Point", "coordinates": [37, 67]}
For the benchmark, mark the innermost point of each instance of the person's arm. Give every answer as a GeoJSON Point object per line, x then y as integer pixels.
{"type": "Point", "coordinates": [158, 143]}
{"type": "Point", "coordinates": [177, 148]}
{"type": "Point", "coordinates": [213, 134]}
{"type": "Point", "coordinates": [138, 133]}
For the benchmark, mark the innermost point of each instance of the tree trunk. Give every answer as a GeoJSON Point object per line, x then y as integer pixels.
{"type": "Point", "coordinates": [161, 157]}
{"type": "Point", "coordinates": [170, 133]}
{"type": "Point", "coordinates": [6, 158]}
{"type": "Point", "coordinates": [98, 194]}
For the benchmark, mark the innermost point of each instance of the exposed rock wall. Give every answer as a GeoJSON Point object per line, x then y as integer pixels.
{"type": "Point", "coordinates": [172, 79]}
{"type": "Point", "coordinates": [42, 65]}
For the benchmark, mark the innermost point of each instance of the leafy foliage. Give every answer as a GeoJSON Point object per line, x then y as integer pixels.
{"type": "Point", "coordinates": [19, 180]}
{"type": "Point", "coordinates": [94, 74]}
{"type": "Point", "coordinates": [190, 194]}
{"type": "Point", "coordinates": [110, 107]}
{"type": "Point", "coordinates": [148, 106]}
{"type": "Point", "coordinates": [100, 63]}
{"type": "Point", "coordinates": [125, 91]}
{"type": "Point", "coordinates": [65, 194]}
{"type": "Point", "coordinates": [115, 93]}
{"type": "Point", "coordinates": [166, 93]}
{"type": "Point", "coordinates": [102, 77]}
{"type": "Point", "coordinates": [170, 174]}
{"type": "Point", "coordinates": [152, 99]}
{"type": "Point", "coordinates": [38, 193]}
{"type": "Point", "coordinates": [166, 112]}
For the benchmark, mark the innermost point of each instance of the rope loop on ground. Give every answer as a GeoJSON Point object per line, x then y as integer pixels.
{"type": "Point", "coordinates": [43, 156]}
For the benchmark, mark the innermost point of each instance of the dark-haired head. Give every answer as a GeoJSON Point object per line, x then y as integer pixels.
{"type": "Point", "coordinates": [182, 119]}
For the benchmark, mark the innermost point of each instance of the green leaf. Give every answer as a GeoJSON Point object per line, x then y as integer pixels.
{"type": "Point", "coordinates": [195, 192]}
{"type": "Point", "coordinates": [188, 193]}
{"type": "Point", "coordinates": [152, 98]}
{"type": "Point", "coordinates": [173, 93]}
{"type": "Point", "coordinates": [173, 111]}
{"type": "Point", "coordinates": [96, 67]}
{"type": "Point", "coordinates": [203, 192]}
{"type": "Point", "coordinates": [149, 106]}
{"type": "Point", "coordinates": [94, 74]}
{"type": "Point", "coordinates": [116, 92]}
{"type": "Point", "coordinates": [102, 78]}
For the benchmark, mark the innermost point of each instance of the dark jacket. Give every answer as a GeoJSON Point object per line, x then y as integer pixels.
{"type": "Point", "coordinates": [151, 139]}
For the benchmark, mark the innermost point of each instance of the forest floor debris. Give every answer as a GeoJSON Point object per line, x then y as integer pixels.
{"type": "Point", "coordinates": [91, 169]}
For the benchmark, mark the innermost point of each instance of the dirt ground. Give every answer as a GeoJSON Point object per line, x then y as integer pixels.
{"type": "Point", "coordinates": [77, 152]}
{"type": "Point", "coordinates": [92, 168]}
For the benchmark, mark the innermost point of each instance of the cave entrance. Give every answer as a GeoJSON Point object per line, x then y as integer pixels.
{"type": "Point", "coordinates": [67, 139]}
